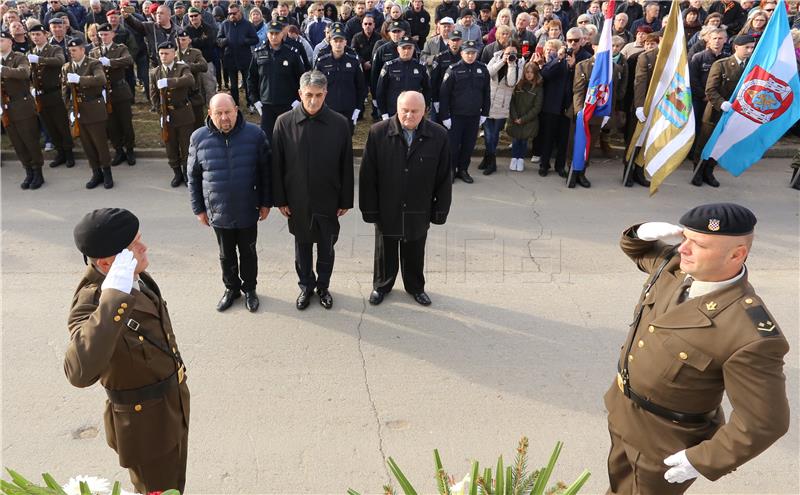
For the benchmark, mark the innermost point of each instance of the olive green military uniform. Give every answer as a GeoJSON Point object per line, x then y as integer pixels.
{"type": "Point", "coordinates": [645, 65]}
{"type": "Point", "coordinates": [91, 109]}
{"type": "Point", "coordinates": [723, 77]}
{"type": "Point", "coordinates": [583, 74]}
{"type": "Point", "coordinates": [126, 342]}
{"type": "Point", "coordinates": [46, 75]}
{"type": "Point", "coordinates": [198, 65]}
{"type": "Point", "coordinates": [120, 120]}
{"type": "Point", "coordinates": [19, 110]}
{"type": "Point", "coordinates": [180, 118]}
{"type": "Point", "coordinates": [682, 356]}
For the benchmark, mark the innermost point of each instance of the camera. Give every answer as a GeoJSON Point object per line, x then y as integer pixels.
{"type": "Point", "coordinates": [569, 51]}
{"type": "Point", "coordinates": [512, 57]}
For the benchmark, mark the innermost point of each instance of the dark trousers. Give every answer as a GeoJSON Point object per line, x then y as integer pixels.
{"type": "Point", "coordinates": [130, 79]}
{"type": "Point", "coordinates": [304, 262]}
{"type": "Point", "coordinates": [178, 145]}
{"type": "Point", "coordinates": [554, 130]}
{"type": "Point", "coordinates": [463, 134]}
{"type": "Point", "coordinates": [269, 114]}
{"type": "Point", "coordinates": [120, 126]}
{"type": "Point", "coordinates": [699, 107]}
{"type": "Point", "coordinates": [393, 252]}
{"type": "Point", "coordinates": [24, 135]}
{"type": "Point", "coordinates": [234, 75]}
{"type": "Point", "coordinates": [239, 274]}
{"type": "Point", "coordinates": [165, 472]}
{"type": "Point", "coordinates": [56, 124]}
{"type": "Point", "coordinates": [143, 73]}
{"type": "Point", "coordinates": [94, 139]}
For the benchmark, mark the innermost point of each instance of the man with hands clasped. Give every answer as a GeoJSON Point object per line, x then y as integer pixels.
{"type": "Point", "coordinates": [121, 336]}
{"type": "Point", "coordinates": [699, 330]}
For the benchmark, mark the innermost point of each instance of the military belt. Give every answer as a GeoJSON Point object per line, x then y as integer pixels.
{"type": "Point", "coordinates": [675, 416]}
{"type": "Point", "coordinates": [148, 392]}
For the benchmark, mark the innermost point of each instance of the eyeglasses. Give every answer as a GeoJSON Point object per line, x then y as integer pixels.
{"type": "Point", "coordinates": [573, 41]}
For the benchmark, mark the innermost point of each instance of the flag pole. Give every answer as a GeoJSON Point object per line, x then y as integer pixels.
{"type": "Point", "coordinates": [570, 178]}
{"type": "Point", "coordinates": [696, 170]}
{"type": "Point", "coordinates": [628, 169]}
{"type": "Point", "coordinates": [795, 178]}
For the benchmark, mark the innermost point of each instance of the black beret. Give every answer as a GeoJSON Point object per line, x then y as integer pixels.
{"type": "Point", "coordinates": [37, 28]}
{"type": "Point", "coordinates": [167, 45]}
{"type": "Point", "coordinates": [74, 42]}
{"type": "Point", "coordinates": [743, 39]}
{"type": "Point", "coordinates": [719, 219]}
{"type": "Point", "coordinates": [104, 27]}
{"type": "Point", "coordinates": [6, 35]}
{"type": "Point", "coordinates": [181, 33]}
{"type": "Point", "coordinates": [105, 232]}
{"type": "Point", "coordinates": [470, 46]}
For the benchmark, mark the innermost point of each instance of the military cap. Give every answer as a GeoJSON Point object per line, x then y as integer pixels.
{"type": "Point", "coordinates": [719, 219]}
{"type": "Point", "coordinates": [74, 42]}
{"type": "Point", "coordinates": [37, 28]}
{"type": "Point", "coordinates": [743, 39]}
{"type": "Point", "coordinates": [470, 46]}
{"type": "Point", "coordinates": [396, 26]}
{"type": "Point", "coordinates": [112, 12]}
{"type": "Point", "coordinates": [105, 232]}
{"type": "Point", "coordinates": [337, 30]}
{"type": "Point", "coordinates": [167, 45]}
{"type": "Point", "coordinates": [468, 12]}
{"type": "Point", "coordinates": [194, 10]}
{"type": "Point", "coordinates": [56, 20]}
{"type": "Point", "coordinates": [455, 35]}
{"type": "Point", "coordinates": [104, 27]}
{"type": "Point", "coordinates": [275, 27]}
{"type": "Point", "coordinates": [6, 35]}
{"type": "Point", "coordinates": [405, 41]}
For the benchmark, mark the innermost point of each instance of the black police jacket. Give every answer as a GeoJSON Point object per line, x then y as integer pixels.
{"type": "Point", "coordinates": [346, 85]}
{"type": "Point", "coordinates": [274, 75]}
{"type": "Point", "coordinates": [398, 76]}
{"type": "Point", "coordinates": [441, 63]}
{"type": "Point", "coordinates": [383, 53]}
{"type": "Point", "coordinates": [465, 91]}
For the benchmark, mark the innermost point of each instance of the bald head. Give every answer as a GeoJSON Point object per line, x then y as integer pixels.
{"type": "Point", "coordinates": [410, 109]}
{"type": "Point", "coordinates": [223, 111]}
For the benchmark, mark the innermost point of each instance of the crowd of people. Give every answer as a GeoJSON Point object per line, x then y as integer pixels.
{"type": "Point", "coordinates": [484, 67]}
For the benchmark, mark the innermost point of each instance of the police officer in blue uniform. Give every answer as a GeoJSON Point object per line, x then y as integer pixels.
{"type": "Point", "coordinates": [293, 44]}
{"type": "Point", "coordinates": [464, 99]}
{"type": "Point", "coordinates": [401, 74]}
{"type": "Point", "coordinates": [384, 52]}
{"type": "Point", "coordinates": [274, 78]}
{"type": "Point", "coordinates": [441, 63]}
{"type": "Point", "coordinates": [346, 85]}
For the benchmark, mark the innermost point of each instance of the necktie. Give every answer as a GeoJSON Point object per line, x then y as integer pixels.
{"type": "Point", "coordinates": [683, 290]}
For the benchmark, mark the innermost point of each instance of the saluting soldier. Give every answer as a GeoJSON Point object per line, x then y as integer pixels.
{"type": "Point", "coordinates": [172, 81]}
{"type": "Point", "coordinates": [198, 65]}
{"type": "Point", "coordinates": [46, 63]}
{"type": "Point", "coordinates": [403, 73]}
{"type": "Point", "coordinates": [19, 111]}
{"type": "Point", "coordinates": [699, 330]}
{"type": "Point", "coordinates": [84, 78]}
{"type": "Point", "coordinates": [116, 61]}
{"type": "Point", "coordinates": [121, 336]}
{"type": "Point", "coordinates": [722, 79]}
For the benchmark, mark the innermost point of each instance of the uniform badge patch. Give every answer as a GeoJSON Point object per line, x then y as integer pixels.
{"type": "Point", "coordinates": [416, 71]}
{"type": "Point", "coordinates": [713, 224]}
{"type": "Point", "coordinates": [711, 306]}
{"type": "Point", "coordinates": [286, 63]}
{"type": "Point", "coordinates": [479, 71]}
{"type": "Point", "coordinates": [348, 65]}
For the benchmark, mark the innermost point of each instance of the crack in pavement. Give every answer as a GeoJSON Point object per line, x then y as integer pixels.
{"type": "Point", "coordinates": [366, 382]}
{"type": "Point", "coordinates": [536, 218]}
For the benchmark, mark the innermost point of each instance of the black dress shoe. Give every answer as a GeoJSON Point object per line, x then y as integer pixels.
{"type": "Point", "coordinates": [325, 298]}
{"type": "Point", "coordinates": [561, 173]}
{"type": "Point", "coordinates": [227, 299]}
{"type": "Point", "coordinates": [303, 300]}
{"type": "Point", "coordinates": [108, 179]}
{"type": "Point", "coordinates": [697, 179]}
{"type": "Point", "coordinates": [96, 180]}
{"type": "Point", "coordinates": [543, 172]}
{"type": "Point", "coordinates": [60, 159]}
{"type": "Point", "coordinates": [251, 300]}
{"type": "Point", "coordinates": [708, 176]}
{"type": "Point", "coordinates": [376, 297]}
{"type": "Point", "coordinates": [70, 157]}
{"type": "Point", "coordinates": [38, 178]}
{"type": "Point", "coordinates": [639, 177]}
{"type": "Point", "coordinates": [130, 155]}
{"type": "Point", "coordinates": [582, 180]}
{"type": "Point", "coordinates": [119, 157]}
{"type": "Point", "coordinates": [177, 178]}
{"type": "Point", "coordinates": [422, 298]}
{"type": "Point", "coordinates": [464, 175]}
{"type": "Point", "coordinates": [26, 182]}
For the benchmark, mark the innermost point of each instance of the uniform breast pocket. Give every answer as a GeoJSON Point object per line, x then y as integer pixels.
{"type": "Point", "coordinates": [136, 346]}
{"type": "Point", "coordinates": [682, 361]}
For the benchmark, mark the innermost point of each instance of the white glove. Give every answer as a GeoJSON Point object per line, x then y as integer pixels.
{"type": "Point", "coordinates": [660, 231]}
{"type": "Point", "coordinates": [73, 78]}
{"type": "Point", "coordinates": [34, 59]}
{"type": "Point", "coordinates": [162, 83]}
{"type": "Point", "coordinates": [259, 107]}
{"type": "Point", "coordinates": [385, 116]}
{"type": "Point", "coordinates": [447, 123]}
{"type": "Point", "coordinates": [356, 113]}
{"type": "Point", "coordinates": [681, 470]}
{"type": "Point", "coordinates": [120, 275]}
{"type": "Point", "coordinates": [295, 103]}
{"type": "Point", "coordinates": [105, 61]}
{"type": "Point", "coordinates": [71, 118]}
{"type": "Point", "coordinates": [726, 106]}
{"type": "Point", "coordinates": [375, 103]}
{"type": "Point", "coordinates": [483, 119]}
{"type": "Point", "coordinates": [436, 106]}
{"type": "Point", "coordinates": [640, 114]}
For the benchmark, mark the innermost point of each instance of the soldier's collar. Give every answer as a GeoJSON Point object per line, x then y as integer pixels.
{"type": "Point", "coordinates": [700, 288]}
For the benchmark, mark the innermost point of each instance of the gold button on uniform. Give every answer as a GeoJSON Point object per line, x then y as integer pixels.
{"type": "Point", "coordinates": [748, 301]}
{"type": "Point", "coordinates": [683, 355]}
{"type": "Point", "coordinates": [117, 318]}
{"type": "Point", "coordinates": [141, 339]}
{"type": "Point", "coordinates": [174, 350]}
{"type": "Point", "coordinates": [121, 311]}
{"type": "Point", "coordinates": [641, 344]}
{"type": "Point", "coordinates": [651, 329]}
{"type": "Point", "coordinates": [123, 305]}
{"type": "Point", "coordinates": [630, 357]}
{"type": "Point", "coordinates": [137, 407]}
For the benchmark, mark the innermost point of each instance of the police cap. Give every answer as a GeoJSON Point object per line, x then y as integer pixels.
{"type": "Point", "coordinates": [275, 27]}
{"type": "Point", "coordinates": [396, 26]}
{"type": "Point", "coordinates": [455, 35]}
{"type": "Point", "coordinates": [337, 31]}
{"type": "Point", "coordinates": [105, 232]}
{"type": "Point", "coordinates": [470, 46]}
{"type": "Point", "coordinates": [405, 41]}
{"type": "Point", "coordinates": [719, 219]}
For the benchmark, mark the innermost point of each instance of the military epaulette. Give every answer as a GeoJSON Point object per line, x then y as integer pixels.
{"type": "Point", "coordinates": [761, 318]}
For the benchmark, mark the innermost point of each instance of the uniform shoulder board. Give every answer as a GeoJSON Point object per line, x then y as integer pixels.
{"type": "Point", "coordinates": [761, 319]}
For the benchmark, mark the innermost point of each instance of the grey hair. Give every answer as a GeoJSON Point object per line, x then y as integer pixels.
{"type": "Point", "coordinates": [313, 78]}
{"type": "Point", "coordinates": [576, 32]}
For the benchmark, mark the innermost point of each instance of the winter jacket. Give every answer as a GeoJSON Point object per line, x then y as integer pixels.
{"type": "Point", "coordinates": [237, 39]}
{"type": "Point", "coordinates": [526, 104]}
{"type": "Point", "coordinates": [502, 88]}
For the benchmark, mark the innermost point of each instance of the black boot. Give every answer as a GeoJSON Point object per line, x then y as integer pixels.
{"type": "Point", "coordinates": [38, 178]}
{"type": "Point", "coordinates": [697, 180]}
{"type": "Point", "coordinates": [97, 178]}
{"type": "Point", "coordinates": [177, 177]}
{"type": "Point", "coordinates": [119, 157]}
{"type": "Point", "coordinates": [639, 177]}
{"type": "Point", "coordinates": [483, 164]}
{"type": "Point", "coordinates": [185, 178]}
{"type": "Point", "coordinates": [131, 156]}
{"type": "Point", "coordinates": [60, 159]}
{"type": "Point", "coordinates": [108, 180]}
{"type": "Point", "coordinates": [70, 157]}
{"type": "Point", "coordinates": [708, 175]}
{"type": "Point", "coordinates": [559, 170]}
{"type": "Point", "coordinates": [582, 180]}
{"type": "Point", "coordinates": [26, 183]}
{"type": "Point", "coordinates": [491, 164]}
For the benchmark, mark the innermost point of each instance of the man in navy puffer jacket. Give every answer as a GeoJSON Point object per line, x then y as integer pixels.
{"type": "Point", "coordinates": [230, 187]}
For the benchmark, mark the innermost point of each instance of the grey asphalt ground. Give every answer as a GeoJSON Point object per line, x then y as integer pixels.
{"type": "Point", "coordinates": [531, 300]}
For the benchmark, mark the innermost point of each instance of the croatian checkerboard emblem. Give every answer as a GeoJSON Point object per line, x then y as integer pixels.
{"type": "Point", "coordinates": [713, 224]}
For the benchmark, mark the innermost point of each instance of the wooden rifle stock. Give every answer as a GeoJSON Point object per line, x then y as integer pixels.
{"type": "Point", "coordinates": [109, 108]}
{"type": "Point", "coordinates": [6, 101]}
{"type": "Point", "coordinates": [76, 127]}
{"type": "Point", "coordinates": [37, 90]}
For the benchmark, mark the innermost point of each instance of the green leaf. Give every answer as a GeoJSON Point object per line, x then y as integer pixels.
{"type": "Point", "coordinates": [18, 479]}
{"type": "Point", "coordinates": [499, 488]}
{"type": "Point", "coordinates": [171, 491]}
{"type": "Point", "coordinates": [85, 488]}
{"type": "Point", "coordinates": [578, 483]}
{"type": "Point", "coordinates": [53, 484]}
{"type": "Point", "coordinates": [401, 478]}
{"type": "Point", "coordinates": [10, 488]}
{"type": "Point", "coordinates": [544, 475]}
{"type": "Point", "coordinates": [473, 486]}
{"type": "Point", "coordinates": [509, 486]}
{"type": "Point", "coordinates": [487, 481]}
{"type": "Point", "coordinates": [350, 491]}
{"type": "Point", "coordinates": [117, 489]}
{"type": "Point", "coordinates": [437, 460]}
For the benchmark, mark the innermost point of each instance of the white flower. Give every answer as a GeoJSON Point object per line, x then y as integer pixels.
{"type": "Point", "coordinates": [98, 486]}
{"type": "Point", "coordinates": [462, 487]}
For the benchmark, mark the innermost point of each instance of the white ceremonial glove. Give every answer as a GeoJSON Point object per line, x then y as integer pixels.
{"type": "Point", "coordinates": [162, 83]}
{"type": "Point", "coordinates": [436, 106]}
{"type": "Point", "coordinates": [660, 231]}
{"type": "Point", "coordinates": [681, 470]}
{"type": "Point", "coordinates": [356, 113]}
{"type": "Point", "coordinates": [726, 106]}
{"type": "Point", "coordinates": [34, 59]}
{"type": "Point", "coordinates": [483, 119]}
{"type": "Point", "coordinates": [71, 118]}
{"type": "Point", "coordinates": [385, 116]}
{"type": "Point", "coordinates": [105, 61]}
{"type": "Point", "coordinates": [295, 103]}
{"type": "Point", "coordinates": [259, 106]}
{"type": "Point", "coordinates": [640, 114]}
{"type": "Point", "coordinates": [73, 78]}
{"type": "Point", "coordinates": [447, 123]}
{"type": "Point", "coordinates": [120, 275]}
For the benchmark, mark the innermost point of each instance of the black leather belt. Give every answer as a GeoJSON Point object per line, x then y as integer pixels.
{"type": "Point", "coordinates": [148, 392]}
{"type": "Point", "coordinates": [675, 416]}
